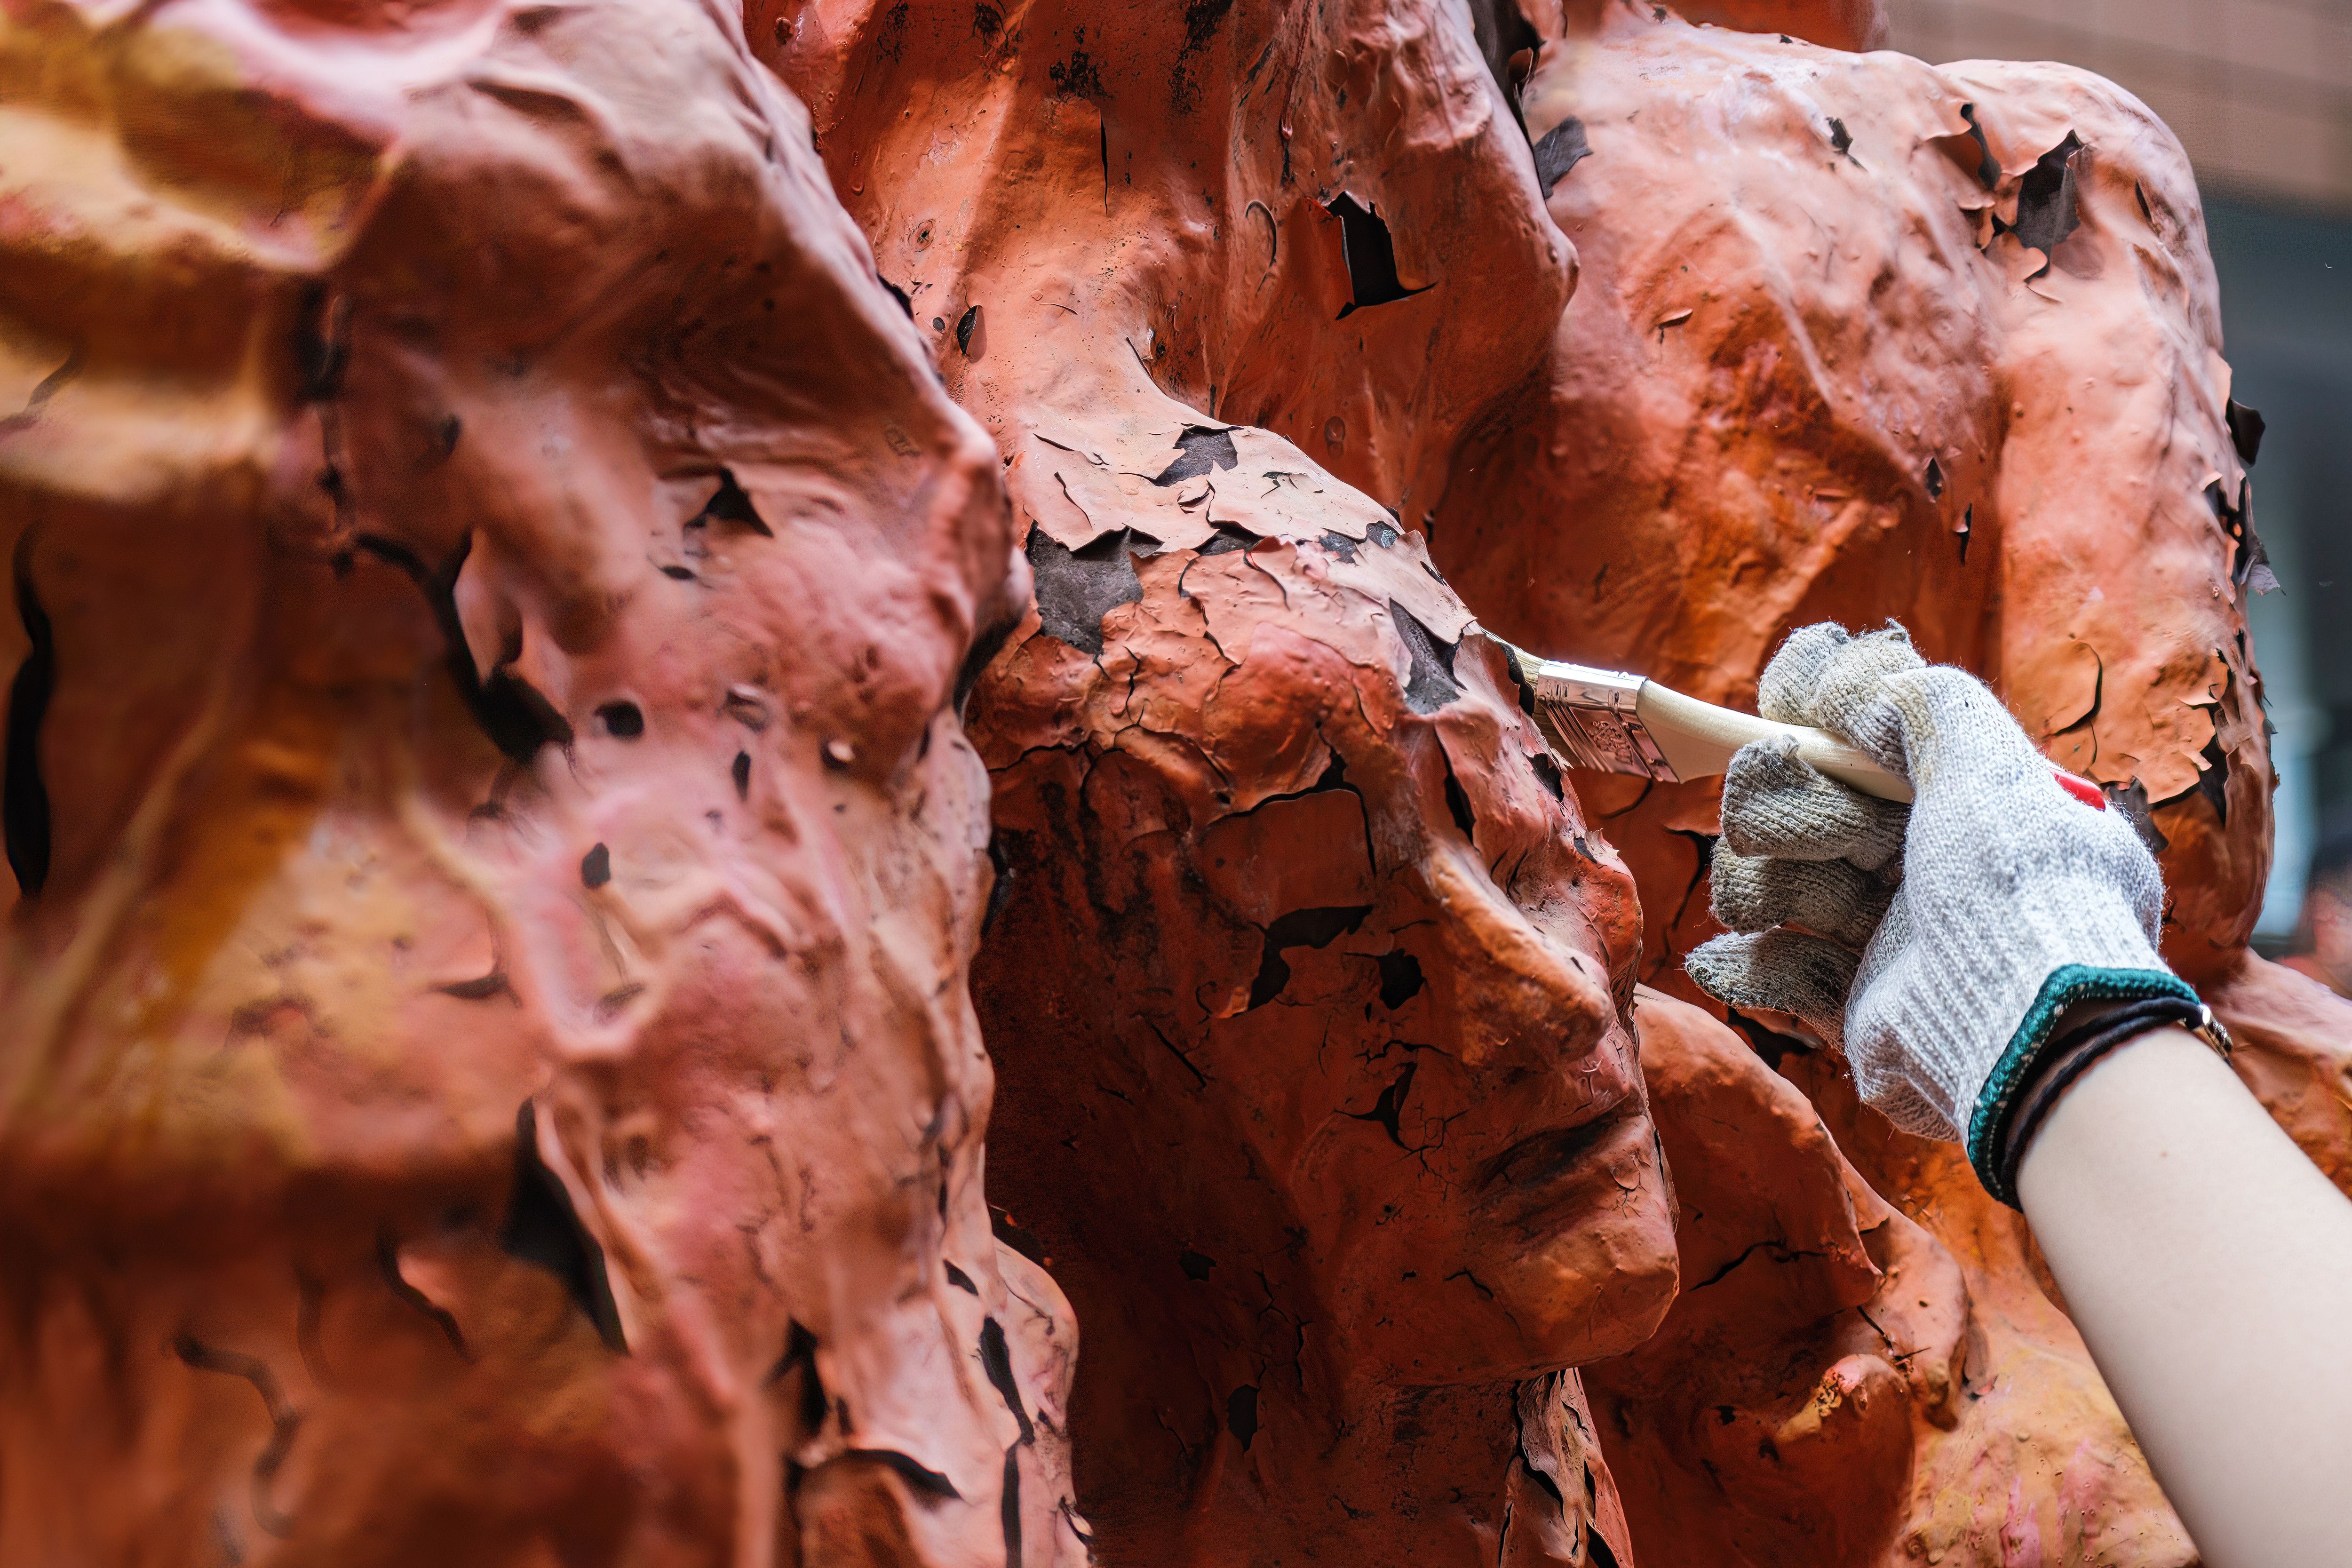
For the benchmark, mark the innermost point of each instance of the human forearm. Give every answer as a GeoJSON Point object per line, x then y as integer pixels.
{"type": "Point", "coordinates": [2209, 1266]}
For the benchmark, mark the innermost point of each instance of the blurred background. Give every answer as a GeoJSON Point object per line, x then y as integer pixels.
{"type": "Point", "coordinates": [2260, 92]}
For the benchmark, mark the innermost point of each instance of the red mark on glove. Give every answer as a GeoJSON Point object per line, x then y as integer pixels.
{"type": "Point", "coordinates": [2081, 788]}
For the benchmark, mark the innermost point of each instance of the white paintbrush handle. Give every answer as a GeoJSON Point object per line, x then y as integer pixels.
{"type": "Point", "coordinates": [1616, 722]}
{"type": "Point", "coordinates": [1698, 738]}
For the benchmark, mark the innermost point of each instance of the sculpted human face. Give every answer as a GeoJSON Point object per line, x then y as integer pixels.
{"type": "Point", "coordinates": [1446, 1084]}
{"type": "Point", "coordinates": [1294, 895]}
{"type": "Point", "coordinates": [496, 854]}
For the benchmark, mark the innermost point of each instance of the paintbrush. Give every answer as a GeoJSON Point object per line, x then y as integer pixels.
{"type": "Point", "coordinates": [1612, 722]}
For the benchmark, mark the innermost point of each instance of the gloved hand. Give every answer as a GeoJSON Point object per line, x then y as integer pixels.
{"type": "Point", "coordinates": [1941, 975]}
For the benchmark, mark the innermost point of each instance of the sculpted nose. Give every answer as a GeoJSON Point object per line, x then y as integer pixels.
{"type": "Point", "coordinates": [1523, 998]}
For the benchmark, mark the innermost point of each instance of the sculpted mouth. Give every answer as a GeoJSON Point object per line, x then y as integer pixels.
{"type": "Point", "coordinates": [1543, 1158]}
{"type": "Point", "coordinates": [1545, 1178]}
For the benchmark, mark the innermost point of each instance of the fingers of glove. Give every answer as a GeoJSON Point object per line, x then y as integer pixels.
{"type": "Point", "coordinates": [1833, 898]}
{"type": "Point", "coordinates": [1852, 695]}
{"type": "Point", "coordinates": [1784, 692]}
{"type": "Point", "coordinates": [1781, 971]}
{"type": "Point", "coordinates": [1776, 804]}
{"type": "Point", "coordinates": [1807, 664]}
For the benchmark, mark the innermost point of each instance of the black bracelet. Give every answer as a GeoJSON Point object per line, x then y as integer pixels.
{"type": "Point", "coordinates": [2068, 1059]}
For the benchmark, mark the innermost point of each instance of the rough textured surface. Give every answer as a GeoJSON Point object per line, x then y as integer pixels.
{"type": "Point", "coordinates": [1114, 222]}
{"type": "Point", "coordinates": [1308, 997]}
{"type": "Point", "coordinates": [1307, 981]}
{"type": "Point", "coordinates": [489, 1073]}
{"type": "Point", "coordinates": [1817, 374]}
{"type": "Point", "coordinates": [2042, 1459]}
{"type": "Point", "coordinates": [1688, 473]}
{"type": "Point", "coordinates": [488, 1076]}
{"type": "Point", "coordinates": [1815, 370]}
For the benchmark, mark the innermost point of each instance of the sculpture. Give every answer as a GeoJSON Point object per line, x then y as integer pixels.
{"type": "Point", "coordinates": [1944, 344]}
{"type": "Point", "coordinates": [488, 1074]}
{"type": "Point", "coordinates": [1111, 362]}
{"type": "Point", "coordinates": [1358, 1120]}
{"type": "Point", "coordinates": [489, 1066]}
{"type": "Point", "coordinates": [1159, 254]}
{"type": "Point", "coordinates": [1826, 375]}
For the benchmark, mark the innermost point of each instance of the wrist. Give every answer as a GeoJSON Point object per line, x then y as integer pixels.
{"type": "Point", "coordinates": [2080, 1014]}
{"type": "Point", "coordinates": [2127, 1107]}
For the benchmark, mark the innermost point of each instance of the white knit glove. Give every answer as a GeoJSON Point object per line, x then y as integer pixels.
{"type": "Point", "coordinates": [1940, 976]}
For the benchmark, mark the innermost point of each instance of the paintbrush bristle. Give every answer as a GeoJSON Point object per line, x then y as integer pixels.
{"type": "Point", "coordinates": [1587, 715]}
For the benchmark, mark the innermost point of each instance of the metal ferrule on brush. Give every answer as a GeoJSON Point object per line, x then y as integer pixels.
{"type": "Point", "coordinates": [1588, 715]}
